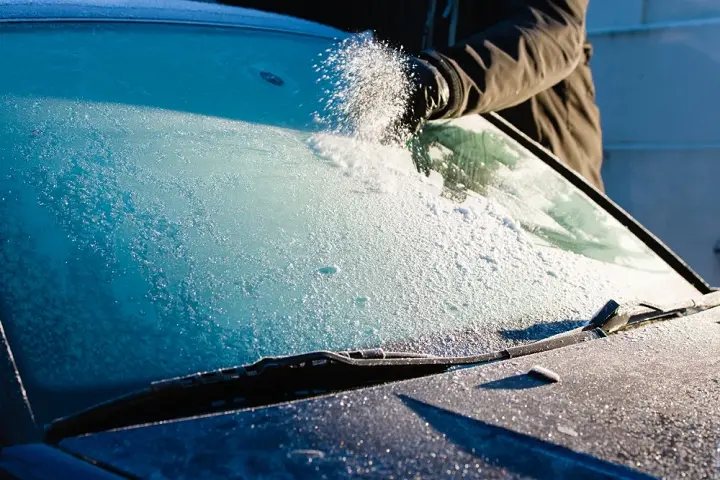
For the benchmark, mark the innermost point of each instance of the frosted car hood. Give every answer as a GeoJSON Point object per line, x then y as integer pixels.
{"type": "Point", "coordinates": [635, 405]}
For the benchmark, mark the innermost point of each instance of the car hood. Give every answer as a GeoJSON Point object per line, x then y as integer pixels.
{"type": "Point", "coordinates": [639, 404]}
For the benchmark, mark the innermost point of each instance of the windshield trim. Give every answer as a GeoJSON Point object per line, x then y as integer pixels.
{"type": "Point", "coordinates": [22, 425]}
{"type": "Point", "coordinates": [604, 202]}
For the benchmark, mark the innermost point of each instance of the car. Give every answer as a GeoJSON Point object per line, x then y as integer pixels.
{"type": "Point", "coordinates": [203, 276]}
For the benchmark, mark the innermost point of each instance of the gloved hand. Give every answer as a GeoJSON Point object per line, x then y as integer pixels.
{"type": "Point", "coordinates": [430, 95]}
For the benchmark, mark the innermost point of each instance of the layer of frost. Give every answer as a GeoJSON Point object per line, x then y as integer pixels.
{"type": "Point", "coordinates": [144, 236]}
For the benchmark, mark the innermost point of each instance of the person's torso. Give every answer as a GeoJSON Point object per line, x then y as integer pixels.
{"type": "Point", "coordinates": [564, 118]}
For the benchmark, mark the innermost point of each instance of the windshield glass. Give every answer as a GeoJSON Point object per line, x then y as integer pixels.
{"type": "Point", "coordinates": [169, 206]}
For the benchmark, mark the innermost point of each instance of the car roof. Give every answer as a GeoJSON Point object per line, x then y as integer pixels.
{"type": "Point", "coordinates": [159, 11]}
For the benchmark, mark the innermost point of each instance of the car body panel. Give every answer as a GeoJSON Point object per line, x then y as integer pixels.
{"type": "Point", "coordinates": [645, 400]}
{"type": "Point", "coordinates": [37, 462]}
{"type": "Point", "coordinates": [170, 11]}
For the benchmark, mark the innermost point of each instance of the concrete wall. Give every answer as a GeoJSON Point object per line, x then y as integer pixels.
{"type": "Point", "coordinates": [657, 72]}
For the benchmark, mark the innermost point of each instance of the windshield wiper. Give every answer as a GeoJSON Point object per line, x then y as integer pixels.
{"type": "Point", "coordinates": [274, 380]}
{"type": "Point", "coordinates": [614, 318]}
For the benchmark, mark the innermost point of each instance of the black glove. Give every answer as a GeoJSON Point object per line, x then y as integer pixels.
{"type": "Point", "coordinates": [429, 96]}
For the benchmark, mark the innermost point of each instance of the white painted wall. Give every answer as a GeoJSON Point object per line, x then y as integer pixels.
{"type": "Point", "coordinates": [675, 194]}
{"type": "Point", "coordinates": [657, 73]}
{"type": "Point", "coordinates": [672, 10]}
{"type": "Point", "coordinates": [613, 13]}
{"type": "Point", "coordinates": [660, 86]}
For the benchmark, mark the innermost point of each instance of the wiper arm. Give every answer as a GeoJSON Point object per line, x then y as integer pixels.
{"type": "Point", "coordinates": [277, 379]}
{"type": "Point", "coordinates": [613, 318]}
{"type": "Point", "coordinates": [274, 380]}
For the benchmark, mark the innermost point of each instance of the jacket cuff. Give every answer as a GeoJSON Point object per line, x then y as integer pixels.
{"type": "Point", "coordinates": [452, 78]}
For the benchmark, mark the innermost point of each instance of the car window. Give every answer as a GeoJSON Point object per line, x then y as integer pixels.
{"type": "Point", "coordinates": [475, 158]}
{"type": "Point", "coordinates": [169, 205]}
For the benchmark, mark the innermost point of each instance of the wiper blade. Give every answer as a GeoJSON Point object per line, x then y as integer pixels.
{"type": "Point", "coordinates": [274, 380]}
{"type": "Point", "coordinates": [614, 318]}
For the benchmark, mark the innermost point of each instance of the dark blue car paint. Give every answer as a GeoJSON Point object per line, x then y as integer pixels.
{"type": "Point", "coordinates": [35, 462]}
{"type": "Point", "coordinates": [628, 406]}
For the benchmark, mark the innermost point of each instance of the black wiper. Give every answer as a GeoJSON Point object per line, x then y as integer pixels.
{"type": "Point", "coordinates": [614, 318]}
{"type": "Point", "coordinates": [278, 379]}
{"type": "Point", "coordinates": [275, 380]}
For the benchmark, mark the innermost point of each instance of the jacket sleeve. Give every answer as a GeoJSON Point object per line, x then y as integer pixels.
{"type": "Point", "coordinates": [537, 45]}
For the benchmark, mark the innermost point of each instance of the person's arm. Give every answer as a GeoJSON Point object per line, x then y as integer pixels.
{"type": "Point", "coordinates": [539, 45]}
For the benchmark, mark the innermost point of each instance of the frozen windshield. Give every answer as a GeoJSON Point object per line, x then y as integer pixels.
{"type": "Point", "coordinates": [168, 206]}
